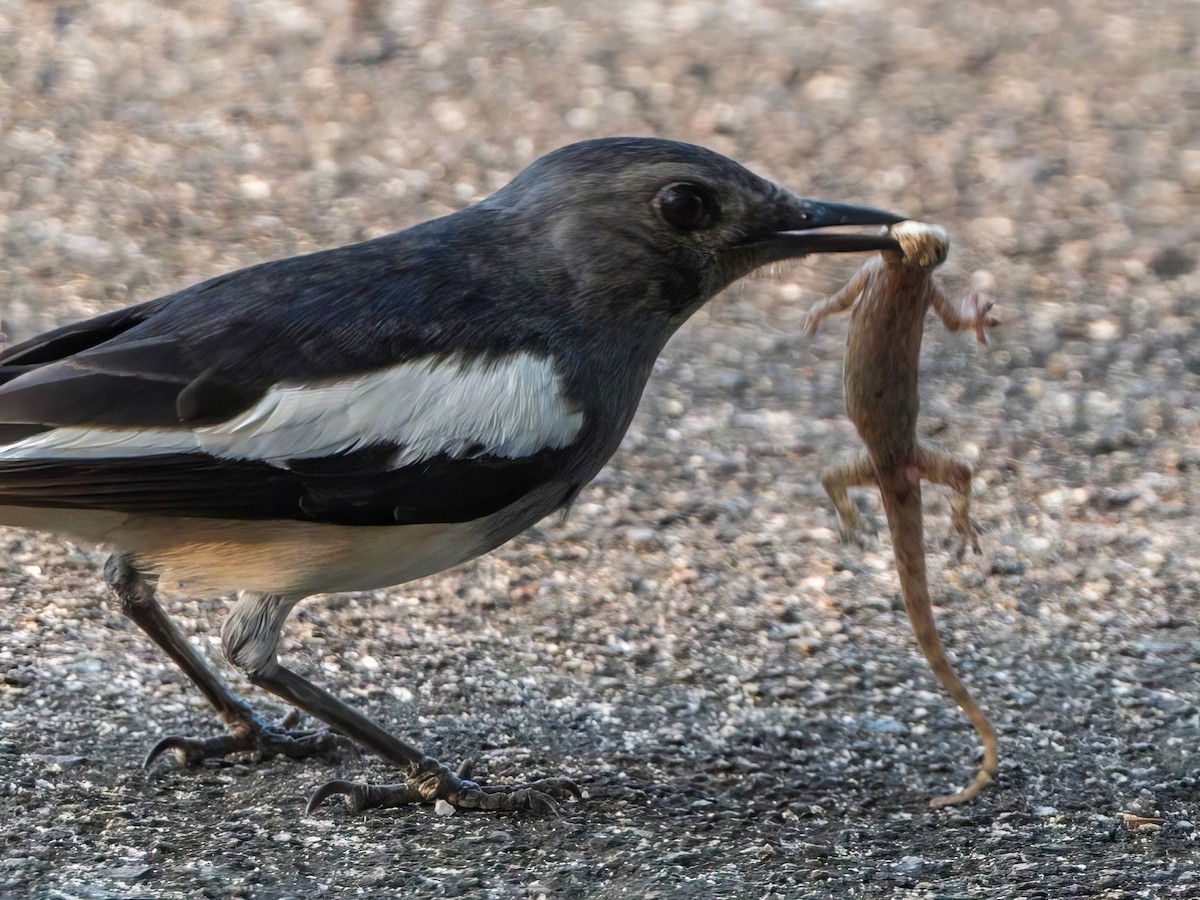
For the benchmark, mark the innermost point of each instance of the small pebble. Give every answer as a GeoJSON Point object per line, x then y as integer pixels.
{"type": "Point", "coordinates": [1103, 330]}
{"type": "Point", "coordinates": [130, 873]}
{"type": "Point", "coordinates": [910, 865]}
{"type": "Point", "coordinates": [1189, 168]}
{"type": "Point", "coordinates": [254, 188]}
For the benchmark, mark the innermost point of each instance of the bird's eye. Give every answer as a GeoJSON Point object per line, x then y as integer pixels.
{"type": "Point", "coordinates": [686, 207]}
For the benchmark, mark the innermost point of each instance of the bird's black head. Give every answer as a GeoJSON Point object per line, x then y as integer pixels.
{"type": "Point", "coordinates": [654, 228]}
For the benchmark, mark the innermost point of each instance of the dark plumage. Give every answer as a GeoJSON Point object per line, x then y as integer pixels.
{"type": "Point", "coordinates": [362, 416]}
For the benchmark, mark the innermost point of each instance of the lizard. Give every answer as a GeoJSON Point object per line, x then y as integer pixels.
{"type": "Point", "coordinates": [888, 298]}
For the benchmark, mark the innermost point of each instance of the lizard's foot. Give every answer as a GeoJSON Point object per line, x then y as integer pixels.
{"type": "Point", "coordinates": [976, 308]}
{"type": "Point", "coordinates": [432, 782]}
{"type": "Point", "coordinates": [858, 531]}
{"type": "Point", "coordinates": [257, 737]}
{"type": "Point", "coordinates": [964, 532]}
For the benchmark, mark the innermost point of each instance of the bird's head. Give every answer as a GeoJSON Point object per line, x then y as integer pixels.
{"type": "Point", "coordinates": [655, 227]}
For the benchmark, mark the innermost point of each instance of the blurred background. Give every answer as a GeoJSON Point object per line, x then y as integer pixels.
{"type": "Point", "coordinates": [147, 144]}
{"type": "Point", "coordinates": [693, 639]}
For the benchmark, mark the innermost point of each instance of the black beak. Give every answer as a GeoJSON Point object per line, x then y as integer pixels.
{"type": "Point", "coordinates": [791, 231]}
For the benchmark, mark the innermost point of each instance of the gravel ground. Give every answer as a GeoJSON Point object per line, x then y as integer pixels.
{"type": "Point", "coordinates": [739, 694]}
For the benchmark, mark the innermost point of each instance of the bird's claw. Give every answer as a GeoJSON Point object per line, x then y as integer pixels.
{"type": "Point", "coordinates": [360, 796]}
{"type": "Point", "coordinates": [433, 782]}
{"type": "Point", "coordinates": [259, 738]}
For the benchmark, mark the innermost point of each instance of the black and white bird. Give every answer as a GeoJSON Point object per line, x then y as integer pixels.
{"type": "Point", "coordinates": [360, 417]}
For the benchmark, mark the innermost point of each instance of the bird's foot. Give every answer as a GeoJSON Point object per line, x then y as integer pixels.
{"type": "Point", "coordinates": [260, 738]}
{"type": "Point", "coordinates": [964, 532]}
{"type": "Point", "coordinates": [432, 782]}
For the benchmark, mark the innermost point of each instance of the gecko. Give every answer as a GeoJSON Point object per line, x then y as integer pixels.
{"type": "Point", "coordinates": [888, 299]}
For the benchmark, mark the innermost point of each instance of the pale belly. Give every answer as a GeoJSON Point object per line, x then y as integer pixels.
{"type": "Point", "coordinates": [209, 556]}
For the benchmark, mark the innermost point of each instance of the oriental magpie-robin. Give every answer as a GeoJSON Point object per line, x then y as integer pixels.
{"type": "Point", "coordinates": [360, 417]}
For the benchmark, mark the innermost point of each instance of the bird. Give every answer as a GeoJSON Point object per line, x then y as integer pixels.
{"type": "Point", "coordinates": [363, 416]}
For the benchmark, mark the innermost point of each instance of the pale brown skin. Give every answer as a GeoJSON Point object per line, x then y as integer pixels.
{"type": "Point", "coordinates": [888, 298]}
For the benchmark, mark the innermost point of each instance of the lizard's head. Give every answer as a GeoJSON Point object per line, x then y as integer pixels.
{"type": "Point", "coordinates": [922, 244]}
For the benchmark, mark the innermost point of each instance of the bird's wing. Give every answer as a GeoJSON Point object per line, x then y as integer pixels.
{"type": "Point", "coordinates": [197, 485]}
{"type": "Point", "coordinates": [261, 394]}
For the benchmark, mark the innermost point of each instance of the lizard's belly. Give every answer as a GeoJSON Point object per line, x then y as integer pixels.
{"type": "Point", "coordinates": [883, 402]}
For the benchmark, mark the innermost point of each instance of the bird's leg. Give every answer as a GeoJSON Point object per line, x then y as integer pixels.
{"type": "Point", "coordinates": [427, 780]}
{"type": "Point", "coordinates": [246, 730]}
{"type": "Point", "coordinates": [854, 529]}
{"type": "Point", "coordinates": [250, 637]}
{"type": "Point", "coordinates": [954, 473]}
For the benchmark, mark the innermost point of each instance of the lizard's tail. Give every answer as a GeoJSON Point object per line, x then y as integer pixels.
{"type": "Point", "coordinates": [902, 503]}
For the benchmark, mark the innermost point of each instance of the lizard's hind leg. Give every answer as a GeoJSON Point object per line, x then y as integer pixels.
{"type": "Point", "coordinates": [854, 529]}
{"type": "Point", "coordinates": [956, 474]}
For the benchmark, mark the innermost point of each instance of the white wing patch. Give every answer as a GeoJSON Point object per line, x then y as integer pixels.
{"type": "Point", "coordinates": [89, 443]}
{"type": "Point", "coordinates": [512, 407]}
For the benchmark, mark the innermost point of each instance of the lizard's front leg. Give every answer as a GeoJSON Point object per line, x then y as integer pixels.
{"type": "Point", "coordinates": [973, 311]}
{"type": "Point", "coordinates": [841, 301]}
